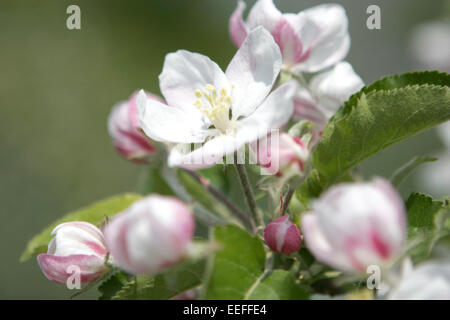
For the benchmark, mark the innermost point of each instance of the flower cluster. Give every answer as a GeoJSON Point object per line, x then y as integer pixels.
{"type": "Point", "coordinates": [153, 234]}
{"type": "Point", "coordinates": [287, 78]}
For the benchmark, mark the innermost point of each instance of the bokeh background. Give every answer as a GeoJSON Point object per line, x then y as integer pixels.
{"type": "Point", "coordinates": [57, 87]}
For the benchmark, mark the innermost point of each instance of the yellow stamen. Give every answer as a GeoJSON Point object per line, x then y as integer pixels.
{"type": "Point", "coordinates": [217, 108]}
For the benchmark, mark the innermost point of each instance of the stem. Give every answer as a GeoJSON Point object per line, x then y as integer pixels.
{"type": "Point", "coordinates": [267, 271]}
{"type": "Point", "coordinates": [292, 186]}
{"type": "Point", "coordinates": [206, 184]}
{"type": "Point", "coordinates": [245, 184]}
{"type": "Point", "coordinates": [287, 198]}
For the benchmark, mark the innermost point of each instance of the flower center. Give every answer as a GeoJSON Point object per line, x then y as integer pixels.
{"type": "Point", "coordinates": [215, 105]}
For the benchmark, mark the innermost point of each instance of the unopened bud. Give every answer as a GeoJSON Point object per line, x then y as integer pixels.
{"type": "Point", "coordinates": [283, 236]}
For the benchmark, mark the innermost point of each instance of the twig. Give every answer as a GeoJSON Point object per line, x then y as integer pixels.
{"type": "Point", "coordinates": [287, 198]}
{"type": "Point", "coordinates": [206, 184]}
{"type": "Point", "coordinates": [245, 184]}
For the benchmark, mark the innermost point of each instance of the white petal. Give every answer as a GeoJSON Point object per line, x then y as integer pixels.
{"type": "Point", "coordinates": [324, 32]}
{"type": "Point", "coordinates": [253, 71]}
{"type": "Point", "coordinates": [164, 123]}
{"type": "Point", "coordinates": [263, 13]}
{"type": "Point", "coordinates": [430, 281]}
{"type": "Point", "coordinates": [76, 237]}
{"type": "Point", "coordinates": [183, 73]}
{"type": "Point", "coordinates": [273, 113]}
{"type": "Point", "coordinates": [334, 87]}
{"type": "Point", "coordinates": [307, 107]}
{"type": "Point", "coordinates": [207, 155]}
{"type": "Point", "coordinates": [319, 245]}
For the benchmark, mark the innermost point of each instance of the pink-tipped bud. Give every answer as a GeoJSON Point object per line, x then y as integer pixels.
{"type": "Point", "coordinates": [237, 27]}
{"type": "Point", "coordinates": [281, 154]}
{"type": "Point", "coordinates": [355, 225]}
{"type": "Point", "coordinates": [124, 129]}
{"type": "Point", "coordinates": [283, 236]}
{"type": "Point", "coordinates": [78, 249]}
{"type": "Point", "coordinates": [152, 234]}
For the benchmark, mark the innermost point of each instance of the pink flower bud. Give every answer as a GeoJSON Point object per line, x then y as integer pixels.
{"type": "Point", "coordinates": [151, 234]}
{"type": "Point", "coordinates": [76, 246]}
{"type": "Point", "coordinates": [283, 236]}
{"type": "Point", "coordinates": [281, 154]}
{"type": "Point", "coordinates": [123, 127]}
{"type": "Point", "coordinates": [237, 28]}
{"type": "Point", "coordinates": [356, 225]}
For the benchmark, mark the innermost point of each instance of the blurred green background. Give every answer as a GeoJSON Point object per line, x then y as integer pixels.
{"type": "Point", "coordinates": [57, 87]}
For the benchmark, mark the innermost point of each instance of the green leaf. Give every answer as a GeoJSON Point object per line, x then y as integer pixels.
{"type": "Point", "coordinates": [237, 266]}
{"type": "Point", "coordinates": [422, 211]}
{"type": "Point", "coordinates": [401, 173]}
{"type": "Point", "coordinates": [279, 285]}
{"type": "Point", "coordinates": [237, 271]}
{"type": "Point", "coordinates": [94, 214]}
{"type": "Point", "coordinates": [426, 218]}
{"type": "Point", "coordinates": [164, 286]}
{"type": "Point", "coordinates": [113, 285]}
{"type": "Point", "coordinates": [388, 111]}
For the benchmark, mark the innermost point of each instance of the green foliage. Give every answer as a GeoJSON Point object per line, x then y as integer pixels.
{"type": "Point", "coordinates": [422, 211]}
{"type": "Point", "coordinates": [279, 285]}
{"type": "Point", "coordinates": [155, 183]}
{"type": "Point", "coordinates": [112, 285]}
{"type": "Point", "coordinates": [237, 271]}
{"type": "Point", "coordinates": [386, 112]}
{"type": "Point", "coordinates": [427, 224]}
{"type": "Point", "coordinates": [196, 191]}
{"type": "Point", "coordinates": [94, 214]}
{"type": "Point", "coordinates": [164, 286]}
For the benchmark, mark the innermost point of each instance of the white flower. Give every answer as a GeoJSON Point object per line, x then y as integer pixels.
{"type": "Point", "coordinates": [327, 92]}
{"type": "Point", "coordinates": [354, 225]}
{"type": "Point", "coordinates": [152, 234]}
{"type": "Point", "coordinates": [429, 281]}
{"type": "Point", "coordinates": [222, 111]}
{"type": "Point", "coordinates": [310, 41]}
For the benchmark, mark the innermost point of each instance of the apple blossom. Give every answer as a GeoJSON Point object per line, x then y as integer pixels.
{"type": "Point", "coordinates": [75, 244]}
{"type": "Point", "coordinates": [327, 92]}
{"type": "Point", "coordinates": [285, 155]}
{"type": "Point", "coordinates": [429, 281]}
{"type": "Point", "coordinates": [153, 233]}
{"type": "Point", "coordinates": [123, 127]}
{"type": "Point", "coordinates": [354, 225]}
{"type": "Point", "coordinates": [221, 111]}
{"type": "Point", "coordinates": [283, 236]}
{"type": "Point", "coordinates": [310, 41]}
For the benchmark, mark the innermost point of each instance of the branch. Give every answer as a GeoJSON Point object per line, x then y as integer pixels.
{"type": "Point", "coordinates": [206, 184]}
